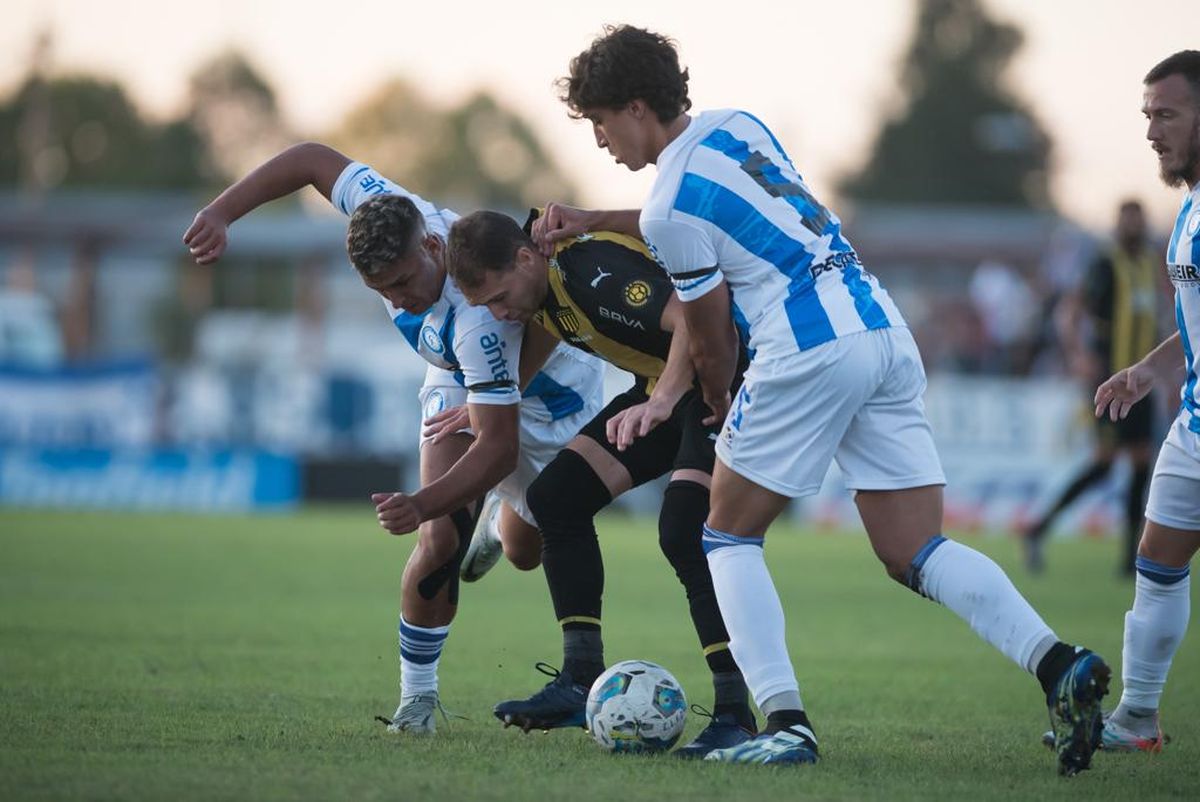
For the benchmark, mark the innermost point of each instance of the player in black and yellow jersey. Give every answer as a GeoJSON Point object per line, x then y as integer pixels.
{"type": "Point", "coordinates": [603, 292]}
{"type": "Point", "coordinates": [1110, 322]}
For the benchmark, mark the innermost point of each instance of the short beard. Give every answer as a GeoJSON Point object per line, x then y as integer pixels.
{"type": "Point", "coordinates": [1189, 171]}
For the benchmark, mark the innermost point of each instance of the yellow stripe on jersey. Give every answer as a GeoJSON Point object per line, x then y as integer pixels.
{"type": "Point", "coordinates": [1134, 329]}
{"type": "Point", "coordinates": [568, 318]}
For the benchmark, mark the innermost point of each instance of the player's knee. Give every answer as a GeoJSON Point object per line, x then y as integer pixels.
{"type": "Point", "coordinates": [523, 558]}
{"type": "Point", "coordinates": [567, 490]}
{"type": "Point", "coordinates": [441, 542]}
{"type": "Point", "coordinates": [680, 523]}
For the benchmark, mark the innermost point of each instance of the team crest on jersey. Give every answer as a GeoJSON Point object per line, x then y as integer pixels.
{"type": "Point", "coordinates": [434, 403]}
{"type": "Point", "coordinates": [1193, 224]}
{"type": "Point", "coordinates": [637, 293]}
{"type": "Point", "coordinates": [567, 320]}
{"type": "Point", "coordinates": [432, 341]}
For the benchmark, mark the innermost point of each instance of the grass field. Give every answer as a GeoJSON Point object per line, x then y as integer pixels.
{"type": "Point", "coordinates": [171, 657]}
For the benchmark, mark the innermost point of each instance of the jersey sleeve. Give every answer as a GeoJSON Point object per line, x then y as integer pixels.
{"type": "Point", "coordinates": [686, 252]}
{"type": "Point", "coordinates": [359, 183]}
{"type": "Point", "coordinates": [489, 354]}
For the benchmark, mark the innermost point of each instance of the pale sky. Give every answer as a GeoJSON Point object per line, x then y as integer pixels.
{"type": "Point", "coordinates": [819, 73]}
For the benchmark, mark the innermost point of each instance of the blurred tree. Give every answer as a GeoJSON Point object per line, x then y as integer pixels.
{"type": "Point", "coordinates": [79, 131]}
{"type": "Point", "coordinates": [234, 111]}
{"type": "Point", "coordinates": [959, 136]}
{"type": "Point", "coordinates": [479, 154]}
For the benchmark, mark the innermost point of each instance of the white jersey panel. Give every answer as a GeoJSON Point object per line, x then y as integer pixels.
{"type": "Point", "coordinates": [479, 351]}
{"type": "Point", "coordinates": [794, 277]}
{"type": "Point", "coordinates": [1183, 268]}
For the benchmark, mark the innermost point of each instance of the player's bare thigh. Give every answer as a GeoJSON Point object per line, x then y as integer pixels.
{"type": "Point", "coordinates": [900, 522]}
{"type": "Point", "coordinates": [741, 507]}
{"type": "Point", "coordinates": [521, 540]}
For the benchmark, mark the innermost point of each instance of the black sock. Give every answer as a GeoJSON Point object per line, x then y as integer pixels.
{"type": "Point", "coordinates": [583, 653]}
{"type": "Point", "coordinates": [1054, 663]}
{"type": "Point", "coordinates": [783, 719]}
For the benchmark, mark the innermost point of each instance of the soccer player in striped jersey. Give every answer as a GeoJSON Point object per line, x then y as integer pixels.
{"type": "Point", "coordinates": [1161, 601]}
{"type": "Point", "coordinates": [835, 375]}
{"type": "Point", "coordinates": [603, 293]}
{"type": "Point", "coordinates": [519, 419]}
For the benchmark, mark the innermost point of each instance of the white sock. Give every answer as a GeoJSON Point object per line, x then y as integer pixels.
{"type": "Point", "coordinates": [980, 593]}
{"type": "Point", "coordinates": [752, 612]}
{"type": "Point", "coordinates": [1153, 630]}
{"type": "Point", "coordinates": [420, 651]}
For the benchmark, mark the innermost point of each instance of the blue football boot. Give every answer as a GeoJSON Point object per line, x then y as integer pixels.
{"type": "Point", "coordinates": [793, 745]}
{"type": "Point", "coordinates": [561, 703]}
{"type": "Point", "coordinates": [1075, 713]}
{"type": "Point", "coordinates": [722, 732]}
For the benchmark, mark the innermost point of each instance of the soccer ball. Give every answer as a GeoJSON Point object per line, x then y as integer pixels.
{"type": "Point", "coordinates": [636, 706]}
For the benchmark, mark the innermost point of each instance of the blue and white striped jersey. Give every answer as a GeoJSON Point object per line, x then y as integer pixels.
{"type": "Point", "coordinates": [1183, 267]}
{"type": "Point", "coordinates": [477, 350]}
{"type": "Point", "coordinates": [728, 204]}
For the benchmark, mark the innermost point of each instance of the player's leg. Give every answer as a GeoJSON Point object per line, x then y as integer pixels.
{"type": "Point", "coordinates": [1161, 603]}
{"type": "Point", "coordinates": [889, 458]}
{"type": "Point", "coordinates": [776, 444]}
{"type": "Point", "coordinates": [429, 595]}
{"type": "Point", "coordinates": [1101, 463]}
{"type": "Point", "coordinates": [1135, 438]}
{"type": "Point", "coordinates": [565, 497]}
{"type": "Point", "coordinates": [685, 508]}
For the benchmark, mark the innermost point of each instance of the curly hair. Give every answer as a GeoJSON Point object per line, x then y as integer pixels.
{"type": "Point", "coordinates": [623, 65]}
{"type": "Point", "coordinates": [382, 230]}
{"type": "Point", "coordinates": [481, 242]}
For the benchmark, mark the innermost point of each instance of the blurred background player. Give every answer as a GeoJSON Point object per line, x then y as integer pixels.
{"type": "Point", "coordinates": [1105, 324]}
{"type": "Point", "coordinates": [602, 292]}
{"type": "Point", "coordinates": [835, 375]}
{"type": "Point", "coordinates": [1161, 601]}
{"type": "Point", "coordinates": [396, 242]}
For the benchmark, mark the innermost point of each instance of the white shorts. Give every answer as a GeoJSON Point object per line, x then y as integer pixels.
{"type": "Point", "coordinates": [1174, 498]}
{"type": "Point", "coordinates": [856, 399]}
{"type": "Point", "coordinates": [541, 437]}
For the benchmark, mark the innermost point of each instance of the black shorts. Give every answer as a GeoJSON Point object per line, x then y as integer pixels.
{"type": "Point", "coordinates": [679, 442]}
{"type": "Point", "coordinates": [1135, 429]}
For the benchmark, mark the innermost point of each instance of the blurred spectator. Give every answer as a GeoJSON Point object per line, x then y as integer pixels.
{"type": "Point", "coordinates": [1107, 322]}
{"type": "Point", "coordinates": [1008, 308]}
{"type": "Point", "coordinates": [29, 330]}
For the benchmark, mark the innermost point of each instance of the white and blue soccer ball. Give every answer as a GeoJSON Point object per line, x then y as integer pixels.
{"type": "Point", "coordinates": [636, 706]}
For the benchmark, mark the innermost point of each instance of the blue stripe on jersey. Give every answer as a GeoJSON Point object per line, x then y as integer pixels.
{"type": "Point", "coordinates": [743, 326]}
{"type": "Point", "coordinates": [727, 144]}
{"type": "Point", "coordinates": [447, 337]}
{"type": "Point", "coordinates": [1177, 232]}
{"type": "Point", "coordinates": [1189, 387]}
{"type": "Point", "coordinates": [872, 314]}
{"type": "Point", "coordinates": [708, 200]}
{"type": "Point", "coordinates": [349, 180]}
{"type": "Point", "coordinates": [559, 400]}
{"type": "Point", "coordinates": [410, 326]}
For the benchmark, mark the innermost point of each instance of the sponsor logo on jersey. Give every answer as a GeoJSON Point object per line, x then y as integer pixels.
{"type": "Point", "coordinates": [637, 293]}
{"type": "Point", "coordinates": [612, 314]}
{"type": "Point", "coordinates": [1183, 274]}
{"type": "Point", "coordinates": [432, 341]}
{"type": "Point", "coordinates": [600, 276]}
{"type": "Point", "coordinates": [839, 261]}
{"type": "Point", "coordinates": [493, 349]}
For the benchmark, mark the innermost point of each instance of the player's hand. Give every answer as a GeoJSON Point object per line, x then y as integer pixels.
{"type": "Point", "coordinates": [1122, 390]}
{"type": "Point", "coordinates": [397, 512]}
{"type": "Point", "coordinates": [447, 422]}
{"type": "Point", "coordinates": [557, 223]}
{"type": "Point", "coordinates": [719, 404]}
{"type": "Point", "coordinates": [636, 421]}
{"type": "Point", "coordinates": [207, 236]}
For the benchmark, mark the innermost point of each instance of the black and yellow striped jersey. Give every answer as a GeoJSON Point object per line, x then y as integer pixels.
{"type": "Point", "coordinates": [1122, 296]}
{"type": "Point", "coordinates": [606, 296]}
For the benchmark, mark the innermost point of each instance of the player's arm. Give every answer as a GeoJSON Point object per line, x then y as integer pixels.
{"type": "Point", "coordinates": [677, 378]}
{"type": "Point", "coordinates": [1126, 387]}
{"type": "Point", "coordinates": [687, 253]}
{"type": "Point", "coordinates": [714, 347]}
{"type": "Point", "coordinates": [306, 164]}
{"type": "Point", "coordinates": [560, 222]}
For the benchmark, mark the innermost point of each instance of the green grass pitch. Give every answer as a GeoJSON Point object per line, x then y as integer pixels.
{"type": "Point", "coordinates": [176, 657]}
